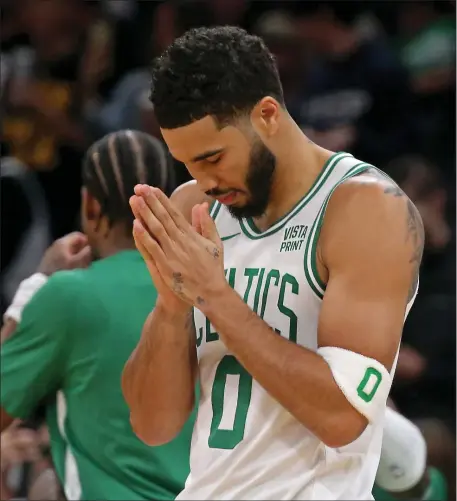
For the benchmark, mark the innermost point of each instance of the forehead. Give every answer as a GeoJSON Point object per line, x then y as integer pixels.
{"type": "Point", "coordinates": [202, 136]}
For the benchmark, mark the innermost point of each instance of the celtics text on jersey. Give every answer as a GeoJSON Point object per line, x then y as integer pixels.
{"type": "Point", "coordinates": [245, 445]}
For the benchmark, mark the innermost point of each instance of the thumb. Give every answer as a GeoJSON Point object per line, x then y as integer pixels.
{"type": "Point", "coordinates": [83, 257]}
{"type": "Point", "coordinates": [196, 220]}
{"type": "Point", "coordinates": [76, 241]}
{"type": "Point", "coordinates": [208, 227]}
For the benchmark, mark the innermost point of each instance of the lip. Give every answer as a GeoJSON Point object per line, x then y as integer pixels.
{"type": "Point", "coordinates": [227, 199]}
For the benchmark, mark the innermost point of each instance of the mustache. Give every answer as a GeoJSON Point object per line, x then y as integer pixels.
{"type": "Point", "coordinates": [217, 192]}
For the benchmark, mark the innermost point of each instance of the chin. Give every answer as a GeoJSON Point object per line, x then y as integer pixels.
{"type": "Point", "coordinates": [245, 211]}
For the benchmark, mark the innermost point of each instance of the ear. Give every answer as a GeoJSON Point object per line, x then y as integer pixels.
{"type": "Point", "coordinates": [265, 116]}
{"type": "Point", "coordinates": [90, 206]}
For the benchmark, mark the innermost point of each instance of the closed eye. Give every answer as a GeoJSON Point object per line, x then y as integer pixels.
{"type": "Point", "coordinates": [214, 161]}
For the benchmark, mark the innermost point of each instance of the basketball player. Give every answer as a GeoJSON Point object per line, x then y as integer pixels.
{"type": "Point", "coordinates": [69, 334]}
{"type": "Point", "coordinates": [286, 299]}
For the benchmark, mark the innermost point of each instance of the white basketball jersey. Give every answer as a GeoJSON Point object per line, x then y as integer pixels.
{"type": "Point", "coordinates": [245, 445]}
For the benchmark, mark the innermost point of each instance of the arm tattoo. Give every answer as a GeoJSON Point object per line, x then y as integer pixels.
{"type": "Point", "coordinates": [414, 233]}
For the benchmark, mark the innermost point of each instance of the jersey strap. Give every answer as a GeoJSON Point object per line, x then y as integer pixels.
{"type": "Point", "coordinates": [248, 225]}
{"type": "Point", "coordinates": [315, 282]}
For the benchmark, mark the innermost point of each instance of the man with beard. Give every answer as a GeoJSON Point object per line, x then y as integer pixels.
{"type": "Point", "coordinates": [69, 334]}
{"type": "Point", "coordinates": [287, 304]}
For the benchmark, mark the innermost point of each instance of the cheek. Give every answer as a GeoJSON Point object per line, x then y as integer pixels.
{"type": "Point", "coordinates": [233, 174]}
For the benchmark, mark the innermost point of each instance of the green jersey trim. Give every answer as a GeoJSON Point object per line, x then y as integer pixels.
{"type": "Point", "coordinates": [214, 209]}
{"type": "Point", "coordinates": [310, 263]}
{"type": "Point", "coordinates": [250, 229]}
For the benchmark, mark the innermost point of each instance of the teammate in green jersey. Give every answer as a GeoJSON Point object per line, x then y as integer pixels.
{"type": "Point", "coordinates": [69, 343]}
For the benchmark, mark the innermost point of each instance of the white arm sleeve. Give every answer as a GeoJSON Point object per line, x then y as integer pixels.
{"type": "Point", "coordinates": [403, 456]}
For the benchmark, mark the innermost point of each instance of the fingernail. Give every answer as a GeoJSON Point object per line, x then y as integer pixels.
{"type": "Point", "coordinates": [137, 226]}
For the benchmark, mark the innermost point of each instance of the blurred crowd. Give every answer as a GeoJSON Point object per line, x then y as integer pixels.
{"type": "Point", "coordinates": [376, 79]}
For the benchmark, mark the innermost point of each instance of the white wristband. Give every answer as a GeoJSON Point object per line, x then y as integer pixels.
{"type": "Point", "coordinates": [404, 454]}
{"type": "Point", "coordinates": [26, 290]}
{"type": "Point", "coordinates": [364, 381]}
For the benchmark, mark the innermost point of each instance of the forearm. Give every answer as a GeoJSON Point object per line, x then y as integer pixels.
{"type": "Point", "coordinates": [298, 378]}
{"type": "Point", "coordinates": [159, 378]}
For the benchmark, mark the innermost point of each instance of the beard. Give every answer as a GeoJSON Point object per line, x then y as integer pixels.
{"type": "Point", "coordinates": [259, 181]}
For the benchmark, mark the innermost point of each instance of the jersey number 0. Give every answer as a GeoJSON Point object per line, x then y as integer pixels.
{"type": "Point", "coordinates": [228, 425]}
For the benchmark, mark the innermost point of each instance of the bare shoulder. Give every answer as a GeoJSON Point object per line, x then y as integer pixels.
{"type": "Point", "coordinates": [370, 218]}
{"type": "Point", "coordinates": [186, 196]}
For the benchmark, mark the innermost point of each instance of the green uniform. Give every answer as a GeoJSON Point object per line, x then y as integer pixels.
{"type": "Point", "coordinates": [75, 336]}
{"type": "Point", "coordinates": [436, 490]}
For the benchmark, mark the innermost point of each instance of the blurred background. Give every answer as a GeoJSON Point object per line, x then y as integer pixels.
{"type": "Point", "coordinates": [376, 79]}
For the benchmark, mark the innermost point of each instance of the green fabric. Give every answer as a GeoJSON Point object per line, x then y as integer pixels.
{"type": "Point", "coordinates": [436, 489]}
{"type": "Point", "coordinates": [75, 336]}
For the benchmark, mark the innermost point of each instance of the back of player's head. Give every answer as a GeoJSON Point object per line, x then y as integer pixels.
{"type": "Point", "coordinates": [221, 71]}
{"type": "Point", "coordinates": [116, 163]}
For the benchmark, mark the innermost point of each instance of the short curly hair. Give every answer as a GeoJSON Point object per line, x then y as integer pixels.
{"type": "Point", "coordinates": [221, 71]}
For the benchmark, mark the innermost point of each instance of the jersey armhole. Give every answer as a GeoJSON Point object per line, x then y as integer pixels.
{"type": "Point", "coordinates": [316, 283]}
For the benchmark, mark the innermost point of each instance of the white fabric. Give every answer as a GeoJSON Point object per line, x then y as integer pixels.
{"type": "Point", "coordinates": [403, 455]}
{"type": "Point", "coordinates": [364, 381]}
{"type": "Point", "coordinates": [27, 289]}
{"type": "Point", "coordinates": [245, 445]}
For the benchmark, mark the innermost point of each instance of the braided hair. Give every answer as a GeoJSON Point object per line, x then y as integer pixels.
{"type": "Point", "coordinates": [116, 163]}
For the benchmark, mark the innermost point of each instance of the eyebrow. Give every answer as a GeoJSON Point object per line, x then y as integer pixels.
{"type": "Point", "coordinates": [207, 154]}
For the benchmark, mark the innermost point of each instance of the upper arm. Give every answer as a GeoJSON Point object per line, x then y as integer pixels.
{"type": "Point", "coordinates": [33, 357]}
{"type": "Point", "coordinates": [186, 196]}
{"type": "Point", "coordinates": [371, 244]}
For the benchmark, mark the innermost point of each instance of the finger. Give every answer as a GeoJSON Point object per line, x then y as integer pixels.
{"type": "Point", "coordinates": [196, 220]}
{"type": "Point", "coordinates": [152, 268]}
{"type": "Point", "coordinates": [141, 190]}
{"type": "Point", "coordinates": [83, 258]}
{"type": "Point", "coordinates": [29, 451]}
{"type": "Point", "coordinates": [209, 229]}
{"type": "Point", "coordinates": [161, 212]}
{"type": "Point", "coordinates": [148, 244]}
{"type": "Point", "coordinates": [75, 241]}
{"type": "Point", "coordinates": [150, 222]}
{"type": "Point", "coordinates": [26, 440]}
{"type": "Point", "coordinates": [173, 212]}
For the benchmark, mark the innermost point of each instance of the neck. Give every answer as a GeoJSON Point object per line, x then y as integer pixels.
{"type": "Point", "coordinates": [299, 163]}
{"type": "Point", "coordinates": [116, 240]}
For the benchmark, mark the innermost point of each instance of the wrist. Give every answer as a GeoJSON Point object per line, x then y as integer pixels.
{"type": "Point", "coordinates": [217, 301]}
{"type": "Point", "coordinates": [173, 309]}
{"type": "Point", "coordinates": [45, 269]}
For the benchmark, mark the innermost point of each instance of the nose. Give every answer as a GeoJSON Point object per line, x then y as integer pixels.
{"type": "Point", "coordinates": [204, 181]}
